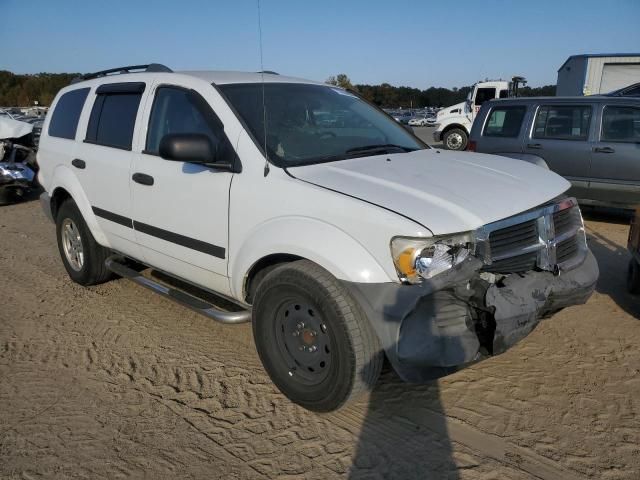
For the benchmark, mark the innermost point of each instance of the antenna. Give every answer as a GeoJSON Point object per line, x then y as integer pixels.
{"type": "Point", "coordinates": [264, 107]}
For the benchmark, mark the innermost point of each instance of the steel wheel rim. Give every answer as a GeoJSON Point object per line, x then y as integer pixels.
{"type": "Point", "coordinates": [454, 141]}
{"type": "Point", "coordinates": [72, 244]}
{"type": "Point", "coordinates": [303, 341]}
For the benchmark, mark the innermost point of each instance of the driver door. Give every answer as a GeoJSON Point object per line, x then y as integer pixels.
{"type": "Point", "coordinates": [180, 209]}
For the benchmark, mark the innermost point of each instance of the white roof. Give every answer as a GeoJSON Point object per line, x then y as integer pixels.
{"type": "Point", "coordinates": [225, 77]}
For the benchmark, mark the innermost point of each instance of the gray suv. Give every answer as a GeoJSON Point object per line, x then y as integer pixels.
{"type": "Point", "coordinates": [594, 142]}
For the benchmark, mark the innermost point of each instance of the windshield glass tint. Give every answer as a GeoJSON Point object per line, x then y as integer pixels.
{"type": "Point", "coordinates": [313, 123]}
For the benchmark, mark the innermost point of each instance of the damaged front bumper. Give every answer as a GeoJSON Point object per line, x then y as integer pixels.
{"type": "Point", "coordinates": [459, 317]}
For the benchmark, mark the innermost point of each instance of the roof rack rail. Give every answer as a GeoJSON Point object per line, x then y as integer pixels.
{"type": "Point", "coordinates": [152, 67]}
{"type": "Point", "coordinates": [270, 72]}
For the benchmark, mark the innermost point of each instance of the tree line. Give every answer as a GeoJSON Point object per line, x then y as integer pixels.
{"type": "Point", "coordinates": [24, 90]}
{"type": "Point", "coordinates": [389, 96]}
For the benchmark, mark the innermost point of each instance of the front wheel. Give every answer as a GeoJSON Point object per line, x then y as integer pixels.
{"type": "Point", "coordinates": [455, 139]}
{"type": "Point", "coordinates": [312, 337]}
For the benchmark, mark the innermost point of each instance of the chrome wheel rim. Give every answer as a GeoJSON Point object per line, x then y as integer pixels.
{"type": "Point", "coordinates": [72, 244]}
{"type": "Point", "coordinates": [454, 141]}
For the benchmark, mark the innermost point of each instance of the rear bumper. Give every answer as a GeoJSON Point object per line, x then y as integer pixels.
{"type": "Point", "coordinates": [45, 203]}
{"type": "Point", "coordinates": [457, 318]}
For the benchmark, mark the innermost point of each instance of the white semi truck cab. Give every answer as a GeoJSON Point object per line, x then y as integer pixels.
{"type": "Point", "coordinates": [453, 123]}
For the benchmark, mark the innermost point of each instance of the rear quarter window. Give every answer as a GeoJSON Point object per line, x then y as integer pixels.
{"type": "Point", "coordinates": [64, 121]}
{"type": "Point", "coordinates": [504, 121]}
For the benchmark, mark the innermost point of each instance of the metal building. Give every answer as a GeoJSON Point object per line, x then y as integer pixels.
{"type": "Point", "coordinates": [592, 74]}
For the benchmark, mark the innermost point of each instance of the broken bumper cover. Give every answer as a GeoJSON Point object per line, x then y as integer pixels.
{"type": "Point", "coordinates": [457, 318]}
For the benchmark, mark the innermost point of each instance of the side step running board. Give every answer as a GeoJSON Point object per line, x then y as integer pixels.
{"type": "Point", "coordinates": [114, 264]}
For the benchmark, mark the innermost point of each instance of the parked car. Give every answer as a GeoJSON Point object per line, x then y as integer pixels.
{"type": "Point", "coordinates": [403, 117]}
{"type": "Point", "coordinates": [340, 244]}
{"type": "Point", "coordinates": [630, 91]}
{"type": "Point", "coordinates": [594, 142]}
{"type": "Point", "coordinates": [422, 121]}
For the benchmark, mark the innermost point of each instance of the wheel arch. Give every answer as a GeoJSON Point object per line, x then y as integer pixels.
{"type": "Point", "coordinates": [288, 239]}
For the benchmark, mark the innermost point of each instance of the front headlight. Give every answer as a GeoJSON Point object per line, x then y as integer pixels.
{"type": "Point", "coordinates": [423, 258]}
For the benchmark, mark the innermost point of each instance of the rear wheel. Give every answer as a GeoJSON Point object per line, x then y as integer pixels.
{"type": "Point", "coordinates": [81, 255]}
{"type": "Point", "coordinates": [455, 139]}
{"type": "Point", "coordinates": [312, 337]}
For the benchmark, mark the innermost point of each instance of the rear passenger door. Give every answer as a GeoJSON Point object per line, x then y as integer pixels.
{"type": "Point", "coordinates": [103, 160]}
{"type": "Point", "coordinates": [181, 219]}
{"type": "Point", "coordinates": [615, 164]}
{"type": "Point", "coordinates": [560, 136]}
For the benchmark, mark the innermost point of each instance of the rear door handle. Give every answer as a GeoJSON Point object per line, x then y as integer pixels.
{"type": "Point", "coordinates": [603, 150]}
{"type": "Point", "coordinates": [536, 146]}
{"type": "Point", "coordinates": [81, 164]}
{"type": "Point", "coordinates": [142, 178]}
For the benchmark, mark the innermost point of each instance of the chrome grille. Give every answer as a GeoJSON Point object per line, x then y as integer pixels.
{"type": "Point", "coordinates": [550, 237]}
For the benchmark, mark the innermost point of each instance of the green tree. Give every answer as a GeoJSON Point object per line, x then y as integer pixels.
{"type": "Point", "coordinates": [340, 80]}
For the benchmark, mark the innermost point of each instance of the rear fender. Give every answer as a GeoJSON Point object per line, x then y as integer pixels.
{"type": "Point", "coordinates": [64, 178]}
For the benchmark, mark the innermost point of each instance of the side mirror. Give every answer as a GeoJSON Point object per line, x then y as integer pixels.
{"type": "Point", "coordinates": [192, 148]}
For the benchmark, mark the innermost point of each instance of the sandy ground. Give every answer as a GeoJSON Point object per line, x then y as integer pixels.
{"type": "Point", "coordinates": [114, 382]}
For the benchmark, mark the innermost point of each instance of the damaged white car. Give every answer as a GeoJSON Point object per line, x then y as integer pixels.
{"type": "Point", "coordinates": [18, 165]}
{"type": "Point", "coordinates": [315, 216]}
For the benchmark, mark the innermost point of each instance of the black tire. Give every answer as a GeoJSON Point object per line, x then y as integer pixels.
{"type": "Point", "coordinates": [633, 277]}
{"type": "Point", "coordinates": [455, 139]}
{"type": "Point", "coordinates": [347, 359]}
{"type": "Point", "coordinates": [92, 269]}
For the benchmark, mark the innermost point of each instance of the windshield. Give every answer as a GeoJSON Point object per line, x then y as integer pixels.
{"type": "Point", "coordinates": [315, 123]}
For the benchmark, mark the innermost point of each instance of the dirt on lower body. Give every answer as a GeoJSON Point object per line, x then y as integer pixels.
{"type": "Point", "coordinates": [115, 382]}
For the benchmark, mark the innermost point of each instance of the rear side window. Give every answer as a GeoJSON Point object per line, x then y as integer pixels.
{"type": "Point", "coordinates": [563, 122]}
{"type": "Point", "coordinates": [504, 122]}
{"type": "Point", "coordinates": [64, 121]}
{"type": "Point", "coordinates": [484, 94]}
{"type": "Point", "coordinates": [620, 124]}
{"type": "Point", "coordinates": [177, 110]}
{"type": "Point", "coordinates": [113, 116]}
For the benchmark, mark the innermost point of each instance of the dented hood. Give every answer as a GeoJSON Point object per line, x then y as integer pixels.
{"type": "Point", "coordinates": [10, 128]}
{"type": "Point", "coordinates": [444, 191]}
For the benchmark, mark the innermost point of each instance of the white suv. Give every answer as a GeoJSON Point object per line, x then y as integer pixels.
{"type": "Point", "coordinates": [312, 214]}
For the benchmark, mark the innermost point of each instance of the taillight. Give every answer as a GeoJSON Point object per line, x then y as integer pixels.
{"type": "Point", "coordinates": [471, 146]}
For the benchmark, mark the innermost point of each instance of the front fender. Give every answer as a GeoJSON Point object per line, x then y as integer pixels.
{"type": "Point", "coordinates": [322, 243]}
{"type": "Point", "coordinates": [64, 178]}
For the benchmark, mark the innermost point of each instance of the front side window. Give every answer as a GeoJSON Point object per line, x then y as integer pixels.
{"type": "Point", "coordinates": [315, 123]}
{"type": "Point", "coordinates": [620, 124]}
{"type": "Point", "coordinates": [113, 119]}
{"type": "Point", "coordinates": [504, 122]}
{"type": "Point", "coordinates": [562, 122]}
{"type": "Point", "coordinates": [64, 121]}
{"type": "Point", "coordinates": [177, 110]}
{"type": "Point", "coordinates": [484, 95]}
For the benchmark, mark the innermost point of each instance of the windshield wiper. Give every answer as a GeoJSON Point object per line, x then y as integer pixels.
{"type": "Point", "coordinates": [379, 147]}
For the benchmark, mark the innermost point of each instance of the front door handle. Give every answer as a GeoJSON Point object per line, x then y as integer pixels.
{"type": "Point", "coordinates": [142, 179]}
{"type": "Point", "coordinates": [81, 164]}
{"type": "Point", "coordinates": [603, 150]}
{"type": "Point", "coordinates": [535, 146]}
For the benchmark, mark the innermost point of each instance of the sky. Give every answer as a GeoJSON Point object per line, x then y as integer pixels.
{"type": "Point", "coordinates": [416, 43]}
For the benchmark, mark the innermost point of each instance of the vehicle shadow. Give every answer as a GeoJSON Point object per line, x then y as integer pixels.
{"type": "Point", "coordinates": [613, 259]}
{"type": "Point", "coordinates": [404, 433]}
